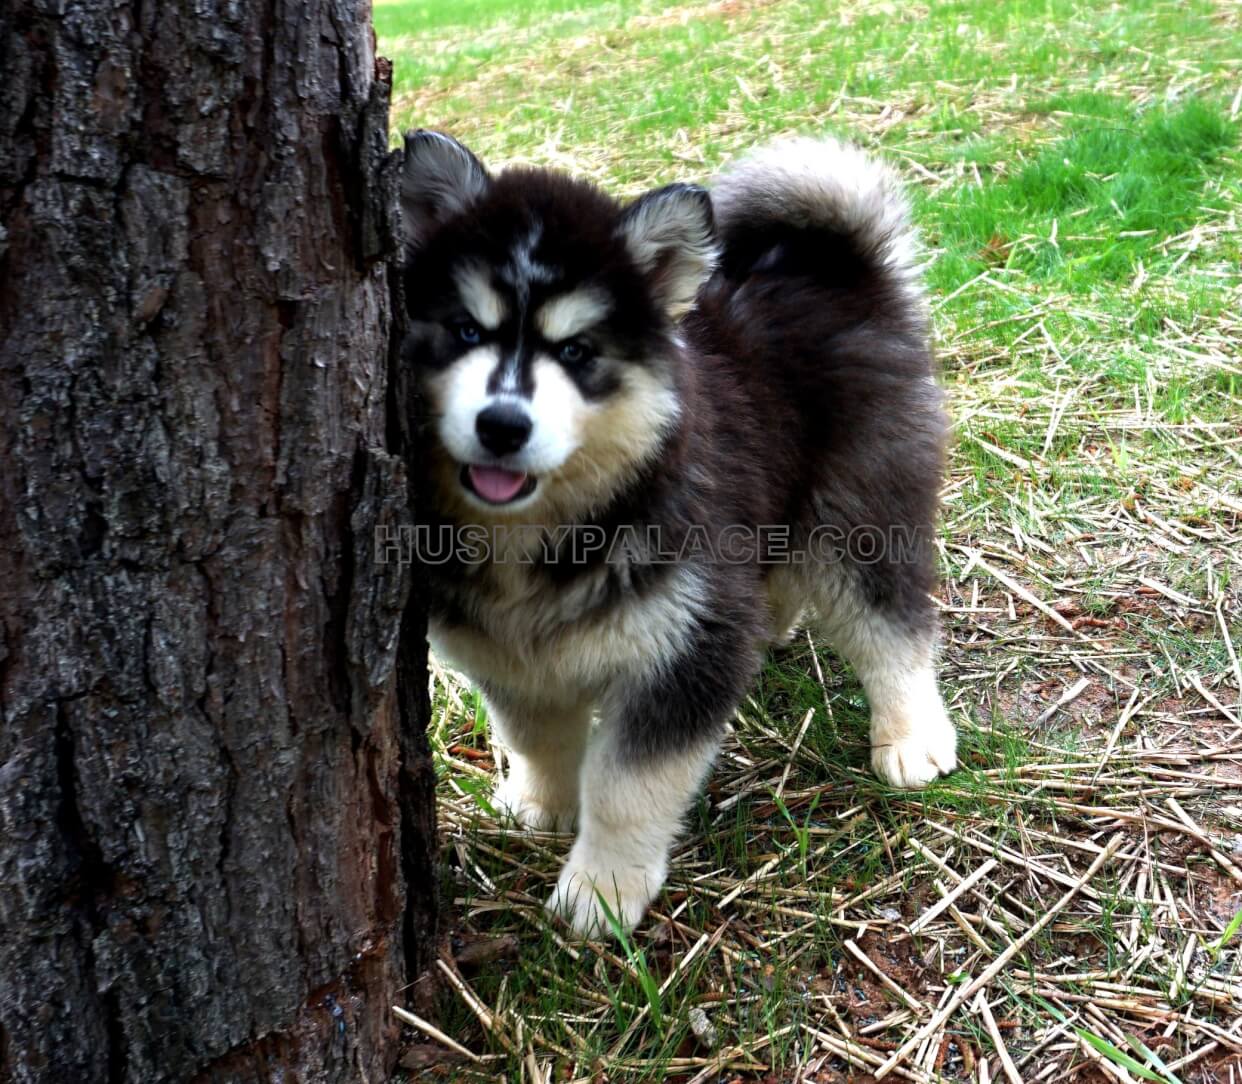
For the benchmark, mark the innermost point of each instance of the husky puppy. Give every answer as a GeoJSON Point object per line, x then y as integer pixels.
{"type": "Point", "coordinates": [675, 428]}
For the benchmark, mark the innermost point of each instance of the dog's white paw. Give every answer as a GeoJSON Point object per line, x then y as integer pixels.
{"type": "Point", "coordinates": [628, 892]}
{"type": "Point", "coordinates": [515, 801]}
{"type": "Point", "coordinates": [914, 759]}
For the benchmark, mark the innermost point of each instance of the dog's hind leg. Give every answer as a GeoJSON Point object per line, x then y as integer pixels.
{"type": "Point", "coordinates": [544, 744]}
{"type": "Point", "coordinates": [912, 739]}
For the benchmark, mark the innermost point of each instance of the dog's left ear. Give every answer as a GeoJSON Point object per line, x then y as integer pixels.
{"type": "Point", "coordinates": [439, 179]}
{"type": "Point", "coordinates": [671, 235]}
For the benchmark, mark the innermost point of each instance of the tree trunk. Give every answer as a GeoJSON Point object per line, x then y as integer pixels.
{"type": "Point", "coordinates": [215, 794]}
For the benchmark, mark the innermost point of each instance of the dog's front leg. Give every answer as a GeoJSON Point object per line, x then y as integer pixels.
{"type": "Point", "coordinates": [544, 743]}
{"type": "Point", "coordinates": [659, 730]}
{"type": "Point", "coordinates": [632, 804]}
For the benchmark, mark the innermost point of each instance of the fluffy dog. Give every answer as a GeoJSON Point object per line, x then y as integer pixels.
{"type": "Point", "coordinates": [675, 428]}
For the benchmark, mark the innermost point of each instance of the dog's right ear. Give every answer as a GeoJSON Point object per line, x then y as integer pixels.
{"type": "Point", "coordinates": [439, 179]}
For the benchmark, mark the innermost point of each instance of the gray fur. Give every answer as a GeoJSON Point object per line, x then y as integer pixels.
{"type": "Point", "coordinates": [823, 184]}
{"type": "Point", "coordinates": [439, 179]}
{"type": "Point", "coordinates": [670, 235]}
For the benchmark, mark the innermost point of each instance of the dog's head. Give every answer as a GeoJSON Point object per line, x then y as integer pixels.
{"type": "Point", "coordinates": [542, 324]}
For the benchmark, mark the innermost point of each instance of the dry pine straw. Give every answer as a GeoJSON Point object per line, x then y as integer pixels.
{"type": "Point", "coordinates": [1068, 888]}
{"type": "Point", "coordinates": [1118, 815]}
{"type": "Point", "coordinates": [1070, 884]}
{"type": "Point", "coordinates": [1091, 662]}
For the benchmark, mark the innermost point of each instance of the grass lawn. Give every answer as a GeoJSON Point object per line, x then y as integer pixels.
{"type": "Point", "coordinates": [1077, 176]}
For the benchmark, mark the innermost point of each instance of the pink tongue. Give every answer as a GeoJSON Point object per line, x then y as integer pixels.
{"type": "Point", "coordinates": [494, 484]}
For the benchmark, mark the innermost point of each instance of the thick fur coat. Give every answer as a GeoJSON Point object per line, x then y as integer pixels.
{"type": "Point", "coordinates": [660, 435]}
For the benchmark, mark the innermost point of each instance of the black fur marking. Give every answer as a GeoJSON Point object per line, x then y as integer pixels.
{"type": "Point", "coordinates": [572, 226]}
{"type": "Point", "coordinates": [692, 699]}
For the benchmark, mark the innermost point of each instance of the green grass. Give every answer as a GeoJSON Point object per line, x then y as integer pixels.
{"type": "Point", "coordinates": [1076, 173]}
{"type": "Point", "coordinates": [402, 18]}
{"type": "Point", "coordinates": [1120, 184]}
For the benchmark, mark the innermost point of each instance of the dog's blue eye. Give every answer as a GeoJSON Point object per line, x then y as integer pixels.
{"type": "Point", "coordinates": [468, 332]}
{"type": "Point", "coordinates": [574, 353]}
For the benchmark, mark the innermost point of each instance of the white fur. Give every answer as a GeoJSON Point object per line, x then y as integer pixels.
{"type": "Point", "coordinates": [544, 743]}
{"type": "Point", "coordinates": [912, 739]}
{"type": "Point", "coordinates": [522, 268]}
{"type": "Point", "coordinates": [459, 393]}
{"type": "Point", "coordinates": [825, 183]}
{"type": "Point", "coordinates": [527, 650]}
{"type": "Point", "coordinates": [630, 814]}
{"type": "Point", "coordinates": [533, 796]}
{"type": "Point", "coordinates": [557, 410]}
{"type": "Point", "coordinates": [567, 315]}
{"type": "Point", "coordinates": [482, 302]}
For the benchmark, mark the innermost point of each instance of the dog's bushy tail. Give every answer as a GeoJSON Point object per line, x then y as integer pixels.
{"type": "Point", "coordinates": [818, 208]}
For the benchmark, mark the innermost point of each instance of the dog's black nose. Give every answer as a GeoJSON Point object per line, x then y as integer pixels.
{"type": "Point", "coordinates": [502, 429]}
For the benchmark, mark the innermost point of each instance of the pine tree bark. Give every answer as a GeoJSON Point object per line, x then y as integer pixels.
{"type": "Point", "coordinates": [215, 793]}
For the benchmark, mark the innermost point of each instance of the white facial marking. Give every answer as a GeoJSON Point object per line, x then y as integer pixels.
{"type": "Point", "coordinates": [568, 314]}
{"type": "Point", "coordinates": [558, 410]}
{"type": "Point", "coordinates": [523, 268]}
{"type": "Point", "coordinates": [461, 392]}
{"type": "Point", "coordinates": [481, 301]}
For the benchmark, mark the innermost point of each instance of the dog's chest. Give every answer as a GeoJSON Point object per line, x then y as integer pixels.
{"type": "Point", "coordinates": [512, 628]}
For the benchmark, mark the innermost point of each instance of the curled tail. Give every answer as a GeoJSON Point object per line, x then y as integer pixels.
{"type": "Point", "coordinates": [818, 208]}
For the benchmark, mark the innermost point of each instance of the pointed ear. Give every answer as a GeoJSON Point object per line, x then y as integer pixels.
{"type": "Point", "coordinates": [439, 179]}
{"type": "Point", "coordinates": [671, 235]}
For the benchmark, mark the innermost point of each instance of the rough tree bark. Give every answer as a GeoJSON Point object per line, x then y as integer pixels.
{"type": "Point", "coordinates": [215, 795]}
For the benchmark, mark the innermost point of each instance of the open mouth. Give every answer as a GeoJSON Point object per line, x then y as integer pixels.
{"type": "Point", "coordinates": [495, 485]}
